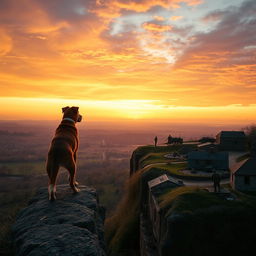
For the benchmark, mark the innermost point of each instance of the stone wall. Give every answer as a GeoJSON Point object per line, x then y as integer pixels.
{"type": "Point", "coordinates": [239, 183]}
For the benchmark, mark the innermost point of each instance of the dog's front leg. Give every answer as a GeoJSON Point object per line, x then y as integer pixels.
{"type": "Point", "coordinates": [72, 172]}
{"type": "Point", "coordinates": [75, 182]}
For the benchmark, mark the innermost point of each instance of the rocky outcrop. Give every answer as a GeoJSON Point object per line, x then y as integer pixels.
{"type": "Point", "coordinates": [134, 162]}
{"type": "Point", "coordinates": [71, 225]}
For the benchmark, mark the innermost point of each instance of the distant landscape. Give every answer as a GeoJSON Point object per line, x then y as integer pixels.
{"type": "Point", "coordinates": [103, 160]}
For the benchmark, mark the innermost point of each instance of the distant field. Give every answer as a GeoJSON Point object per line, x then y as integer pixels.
{"type": "Point", "coordinates": [35, 168]}
{"type": "Point", "coordinates": [22, 168]}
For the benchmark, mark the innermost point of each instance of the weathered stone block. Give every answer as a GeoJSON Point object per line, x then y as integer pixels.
{"type": "Point", "coordinates": [71, 225]}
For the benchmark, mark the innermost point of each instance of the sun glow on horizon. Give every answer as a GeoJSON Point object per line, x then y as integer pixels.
{"type": "Point", "coordinates": [170, 60]}
{"type": "Point", "coordinates": [93, 110]}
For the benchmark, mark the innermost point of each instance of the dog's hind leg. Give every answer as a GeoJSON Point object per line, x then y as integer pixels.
{"type": "Point", "coordinates": [71, 167]}
{"type": "Point", "coordinates": [75, 157]}
{"type": "Point", "coordinates": [52, 170]}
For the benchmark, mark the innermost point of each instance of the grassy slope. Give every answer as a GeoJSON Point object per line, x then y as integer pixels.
{"type": "Point", "coordinates": [153, 158]}
{"type": "Point", "coordinates": [144, 150]}
{"type": "Point", "coordinates": [156, 159]}
{"type": "Point", "coordinates": [122, 229]}
{"type": "Point", "coordinates": [208, 225]}
{"type": "Point", "coordinates": [190, 199]}
{"type": "Point", "coordinates": [10, 206]}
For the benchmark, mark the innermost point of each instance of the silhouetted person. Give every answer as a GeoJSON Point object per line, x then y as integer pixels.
{"type": "Point", "coordinates": [169, 140]}
{"type": "Point", "coordinates": [155, 139]}
{"type": "Point", "coordinates": [216, 181]}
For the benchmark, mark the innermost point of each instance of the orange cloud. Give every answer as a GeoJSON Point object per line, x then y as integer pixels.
{"type": "Point", "coordinates": [112, 8]}
{"type": "Point", "coordinates": [156, 27]}
{"type": "Point", "coordinates": [176, 18]}
{"type": "Point", "coordinates": [159, 18]}
{"type": "Point", "coordinates": [6, 42]}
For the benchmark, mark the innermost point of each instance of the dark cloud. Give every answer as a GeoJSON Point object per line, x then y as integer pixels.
{"type": "Point", "coordinates": [72, 11]}
{"type": "Point", "coordinates": [234, 35]}
{"type": "Point", "coordinates": [216, 15]}
{"type": "Point", "coordinates": [122, 42]}
{"type": "Point", "coordinates": [183, 31]}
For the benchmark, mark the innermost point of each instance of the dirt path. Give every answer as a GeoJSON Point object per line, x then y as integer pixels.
{"type": "Point", "coordinates": [188, 182]}
{"type": "Point", "coordinates": [203, 183]}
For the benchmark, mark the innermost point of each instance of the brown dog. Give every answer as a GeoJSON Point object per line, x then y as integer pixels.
{"type": "Point", "coordinates": [63, 150]}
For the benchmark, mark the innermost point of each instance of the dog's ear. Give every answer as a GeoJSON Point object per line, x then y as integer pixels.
{"type": "Point", "coordinates": [75, 109]}
{"type": "Point", "coordinates": [64, 109]}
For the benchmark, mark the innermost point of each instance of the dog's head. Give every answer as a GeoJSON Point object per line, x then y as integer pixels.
{"type": "Point", "coordinates": [72, 113]}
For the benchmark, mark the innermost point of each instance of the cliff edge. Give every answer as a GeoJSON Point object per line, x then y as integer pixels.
{"type": "Point", "coordinates": [160, 216]}
{"type": "Point", "coordinates": [71, 225]}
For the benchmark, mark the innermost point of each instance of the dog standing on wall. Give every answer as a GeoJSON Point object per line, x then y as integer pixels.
{"type": "Point", "coordinates": [63, 150]}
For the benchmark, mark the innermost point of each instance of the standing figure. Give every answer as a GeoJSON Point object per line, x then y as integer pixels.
{"type": "Point", "coordinates": [155, 139]}
{"type": "Point", "coordinates": [169, 140]}
{"type": "Point", "coordinates": [216, 181]}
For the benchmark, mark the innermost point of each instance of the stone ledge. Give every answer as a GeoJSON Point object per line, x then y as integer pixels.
{"type": "Point", "coordinates": [71, 225]}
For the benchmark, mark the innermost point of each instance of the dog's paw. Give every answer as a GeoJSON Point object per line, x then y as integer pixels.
{"type": "Point", "coordinates": [75, 183]}
{"type": "Point", "coordinates": [52, 197]}
{"type": "Point", "coordinates": [76, 190]}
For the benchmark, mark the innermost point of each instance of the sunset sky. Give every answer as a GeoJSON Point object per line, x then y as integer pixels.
{"type": "Point", "coordinates": [189, 60]}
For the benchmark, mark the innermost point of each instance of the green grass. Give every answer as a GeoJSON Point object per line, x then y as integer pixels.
{"type": "Point", "coordinates": [173, 169]}
{"type": "Point", "coordinates": [11, 203]}
{"type": "Point", "coordinates": [202, 222]}
{"type": "Point", "coordinates": [144, 150]}
{"type": "Point", "coordinates": [190, 199]}
{"type": "Point", "coordinates": [153, 158]}
{"type": "Point", "coordinates": [158, 160]}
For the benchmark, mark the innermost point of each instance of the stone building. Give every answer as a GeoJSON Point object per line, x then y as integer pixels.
{"type": "Point", "coordinates": [243, 175]}
{"type": "Point", "coordinates": [231, 141]}
{"type": "Point", "coordinates": [156, 188]}
{"type": "Point", "coordinates": [207, 161]}
{"type": "Point", "coordinates": [208, 146]}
